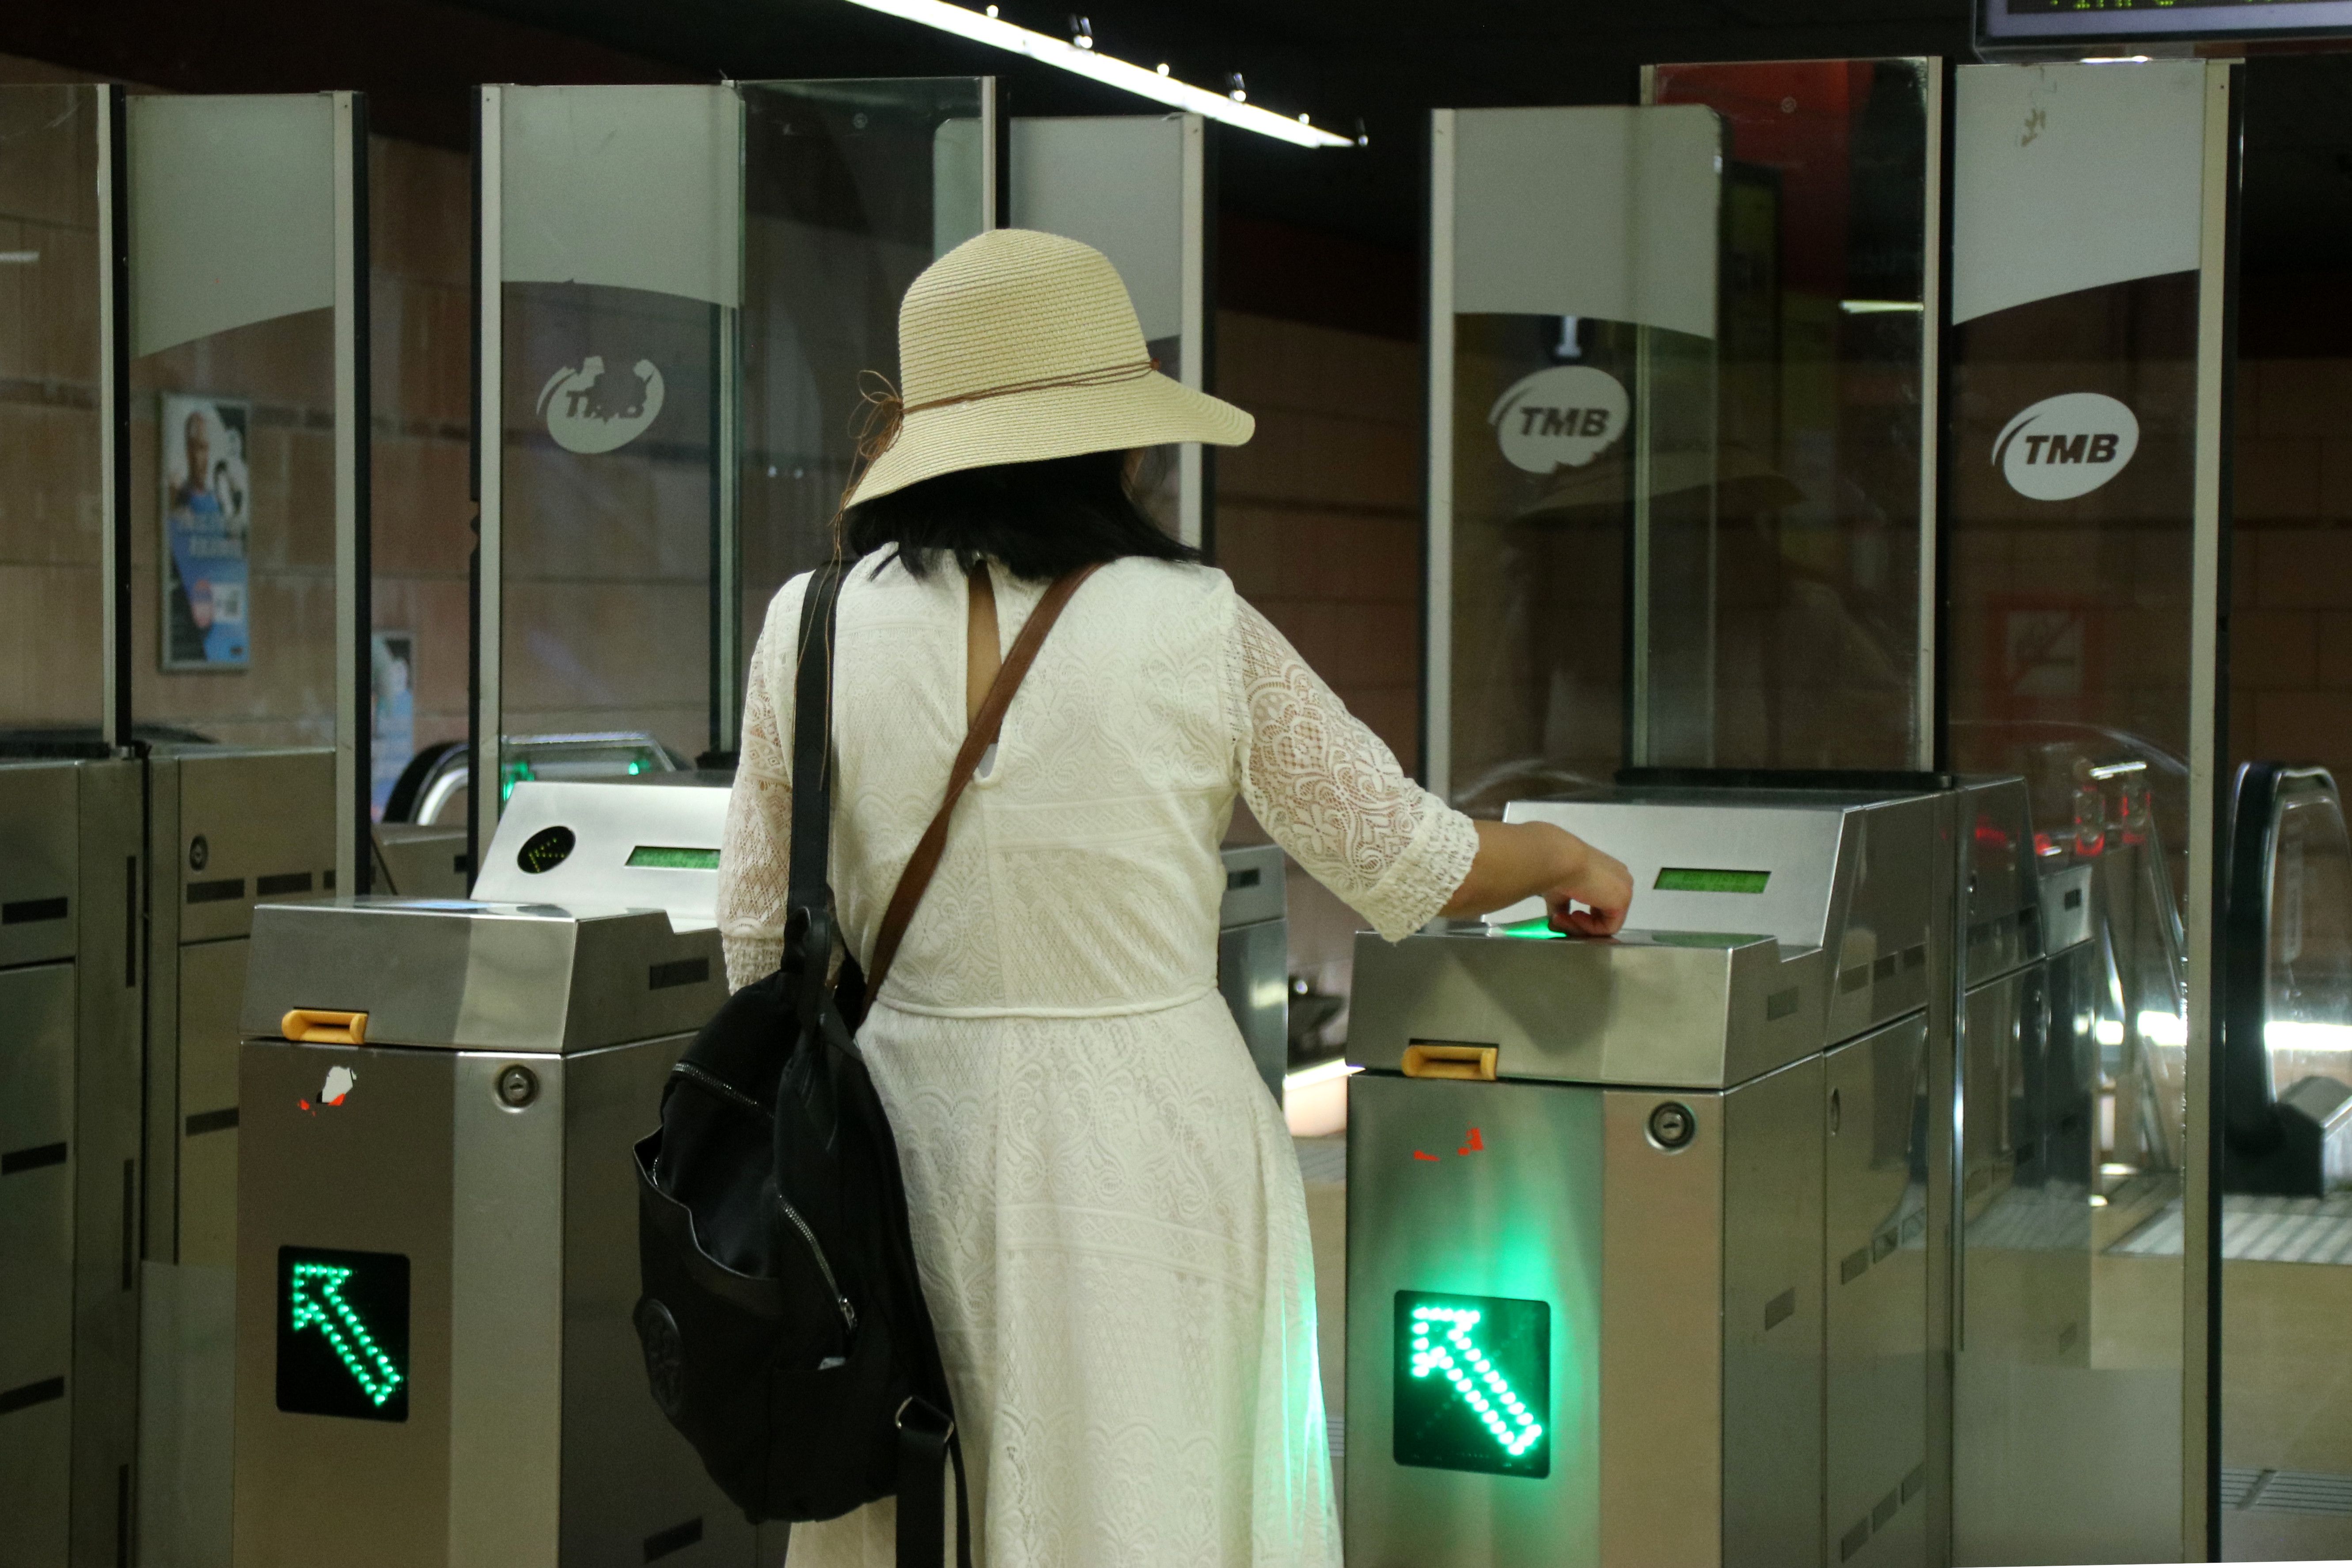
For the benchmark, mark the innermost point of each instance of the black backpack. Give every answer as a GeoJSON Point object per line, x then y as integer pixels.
{"type": "Point", "coordinates": [783, 1320]}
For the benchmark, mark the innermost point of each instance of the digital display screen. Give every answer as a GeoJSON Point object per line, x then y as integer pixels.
{"type": "Point", "coordinates": [342, 1333]}
{"type": "Point", "coordinates": [670, 857]}
{"type": "Point", "coordinates": [1472, 1377]}
{"type": "Point", "coordinates": [2057, 23]}
{"type": "Point", "coordinates": [1704, 879]}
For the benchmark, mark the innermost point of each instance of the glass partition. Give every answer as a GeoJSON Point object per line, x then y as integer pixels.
{"type": "Point", "coordinates": [618, 247]}
{"type": "Point", "coordinates": [1678, 487]}
{"type": "Point", "coordinates": [851, 188]}
{"type": "Point", "coordinates": [2082, 362]}
{"type": "Point", "coordinates": [1799, 647]}
{"type": "Point", "coordinates": [52, 289]}
{"type": "Point", "coordinates": [232, 417]}
{"type": "Point", "coordinates": [1134, 187]}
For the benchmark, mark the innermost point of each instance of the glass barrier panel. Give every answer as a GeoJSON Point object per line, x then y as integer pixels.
{"type": "Point", "coordinates": [1583, 369]}
{"type": "Point", "coordinates": [51, 591]}
{"type": "Point", "coordinates": [1783, 590]}
{"type": "Point", "coordinates": [851, 188]}
{"type": "Point", "coordinates": [621, 257]}
{"type": "Point", "coordinates": [2072, 419]}
{"type": "Point", "coordinates": [232, 397]}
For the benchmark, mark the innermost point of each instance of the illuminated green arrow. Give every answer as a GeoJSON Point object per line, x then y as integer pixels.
{"type": "Point", "coordinates": [317, 1299]}
{"type": "Point", "coordinates": [1481, 1385]}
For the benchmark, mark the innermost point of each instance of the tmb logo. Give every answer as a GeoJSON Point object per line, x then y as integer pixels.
{"type": "Point", "coordinates": [2067, 445]}
{"type": "Point", "coordinates": [1561, 418]}
{"type": "Point", "coordinates": [588, 410]}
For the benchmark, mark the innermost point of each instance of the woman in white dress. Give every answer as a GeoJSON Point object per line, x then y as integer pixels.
{"type": "Point", "coordinates": [1106, 1206]}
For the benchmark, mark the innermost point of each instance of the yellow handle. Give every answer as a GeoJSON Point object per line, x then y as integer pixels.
{"type": "Point", "coordinates": [1476, 1062]}
{"type": "Point", "coordinates": [324, 1027]}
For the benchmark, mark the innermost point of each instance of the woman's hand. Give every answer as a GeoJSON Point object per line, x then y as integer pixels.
{"type": "Point", "coordinates": [1529, 860]}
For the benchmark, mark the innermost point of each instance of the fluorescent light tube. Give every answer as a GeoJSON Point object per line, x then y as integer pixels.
{"type": "Point", "coordinates": [1138, 80]}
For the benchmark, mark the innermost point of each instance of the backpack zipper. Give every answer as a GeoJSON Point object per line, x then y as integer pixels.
{"type": "Point", "coordinates": [848, 1312]}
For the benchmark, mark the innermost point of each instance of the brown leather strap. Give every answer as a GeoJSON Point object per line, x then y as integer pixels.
{"type": "Point", "coordinates": [985, 725]}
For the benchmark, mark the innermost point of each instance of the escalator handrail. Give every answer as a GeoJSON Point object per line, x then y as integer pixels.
{"type": "Point", "coordinates": [2249, 1098]}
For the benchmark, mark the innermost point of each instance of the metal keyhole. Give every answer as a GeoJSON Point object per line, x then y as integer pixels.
{"type": "Point", "coordinates": [1672, 1126]}
{"type": "Point", "coordinates": [518, 1087]}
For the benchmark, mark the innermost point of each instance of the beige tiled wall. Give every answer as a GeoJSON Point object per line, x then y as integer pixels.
{"type": "Point", "coordinates": [1318, 523]}
{"type": "Point", "coordinates": [2291, 578]}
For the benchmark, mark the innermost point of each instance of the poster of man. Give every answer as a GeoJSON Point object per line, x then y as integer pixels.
{"type": "Point", "coordinates": [208, 520]}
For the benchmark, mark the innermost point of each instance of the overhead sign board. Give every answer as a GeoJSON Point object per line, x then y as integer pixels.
{"type": "Point", "coordinates": [2071, 29]}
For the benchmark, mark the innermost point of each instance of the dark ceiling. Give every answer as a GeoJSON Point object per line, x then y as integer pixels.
{"type": "Point", "coordinates": [1385, 62]}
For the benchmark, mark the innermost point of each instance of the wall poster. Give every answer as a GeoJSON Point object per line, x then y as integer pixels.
{"type": "Point", "coordinates": [207, 522]}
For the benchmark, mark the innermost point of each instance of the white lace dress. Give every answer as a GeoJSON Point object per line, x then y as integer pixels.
{"type": "Point", "coordinates": [1106, 1205]}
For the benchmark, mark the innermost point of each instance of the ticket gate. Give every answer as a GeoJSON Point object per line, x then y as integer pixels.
{"type": "Point", "coordinates": [437, 1221]}
{"type": "Point", "coordinates": [1637, 1229]}
{"type": "Point", "coordinates": [71, 866]}
{"type": "Point", "coordinates": [1254, 957]}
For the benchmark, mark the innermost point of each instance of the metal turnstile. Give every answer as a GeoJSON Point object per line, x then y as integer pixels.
{"type": "Point", "coordinates": [71, 866]}
{"type": "Point", "coordinates": [1254, 957]}
{"type": "Point", "coordinates": [437, 1233]}
{"type": "Point", "coordinates": [230, 827]}
{"type": "Point", "coordinates": [1637, 1228]}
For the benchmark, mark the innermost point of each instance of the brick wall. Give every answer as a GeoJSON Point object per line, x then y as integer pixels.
{"type": "Point", "coordinates": [1318, 523]}
{"type": "Point", "coordinates": [2290, 583]}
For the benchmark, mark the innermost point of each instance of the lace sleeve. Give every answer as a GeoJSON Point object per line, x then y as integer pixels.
{"type": "Point", "coordinates": [754, 873]}
{"type": "Point", "coordinates": [1331, 793]}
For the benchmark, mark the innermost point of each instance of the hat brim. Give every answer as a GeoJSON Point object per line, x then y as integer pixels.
{"type": "Point", "coordinates": [1051, 422]}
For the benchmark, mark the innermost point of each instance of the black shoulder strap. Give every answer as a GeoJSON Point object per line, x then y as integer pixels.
{"type": "Point", "coordinates": [809, 902]}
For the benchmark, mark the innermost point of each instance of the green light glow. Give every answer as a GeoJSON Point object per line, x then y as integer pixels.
{"type": "Point", "coordinates": [511, 775]}
{"type": "Point", "coordinates": [1536, 929]}
{"type": "Point", "coordinates": [671, 857]}
{"type": "Point", "coordinates": [1473, 1383]}
{"type": "Point", "coordinates": [317, 1300]}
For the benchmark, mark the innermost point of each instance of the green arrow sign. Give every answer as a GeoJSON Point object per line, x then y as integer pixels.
{"type": "Point", "coordinates": [1473, 1383]}
{"type": "Point", "coordinates": [315, 1292]}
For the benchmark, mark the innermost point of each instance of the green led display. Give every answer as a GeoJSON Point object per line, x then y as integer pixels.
{"type": "Point", "coordinates": [670, 857]}
{"type": "Point", "coordinates": [1702, 880]}
{"type": "Point", "coordinates": [1536, 929]}
{"type": "Point", "coordinates": [1473, 1376]}
{"type": "Point", "coordinates": [342, 1333]}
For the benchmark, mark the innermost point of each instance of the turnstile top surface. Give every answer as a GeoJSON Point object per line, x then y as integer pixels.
{"type": "Point", "coordinates": [468, 975]}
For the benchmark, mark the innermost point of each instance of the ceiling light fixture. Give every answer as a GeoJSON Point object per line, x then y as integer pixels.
{"type": "Point", "coordinates": [1083, 60]}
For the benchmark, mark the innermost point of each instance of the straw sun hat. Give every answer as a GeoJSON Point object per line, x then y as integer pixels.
{"type": "Point", "coordinates": [1017, 346]}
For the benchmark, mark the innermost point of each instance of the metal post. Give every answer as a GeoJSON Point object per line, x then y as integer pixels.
{"type": "Point", "coordinates": [354, 567]}
{"type": "Point", "coordinates": [114, 414]}
{"type": "Point", "coordinates": [1193, 334]}
{"type": "Point", "coordinates": [2208, 654]}
{"type": "Point", "coordinates": [1935, 312]}
{"type": "Point", "coordinates": [489, 446]}
{"type": "Point", "coordinates": [1437, 618]}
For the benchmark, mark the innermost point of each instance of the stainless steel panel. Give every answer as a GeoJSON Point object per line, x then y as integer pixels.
{"type": "Point", "coordinates": [252, 825]}
{"type": "Point", "coordinates": [628, 1475]}
{"type": "Point", "coordinates": [374, 1173]}
{"type": "Point", "coordinates": [1520, 1217]}
{"type": "Point", "coordinates": [212, 985]}
{"type": "Point", "coordinates": [1253, 972]}
{"type": "Point", "coordinates": [1661, 1337]}
{"type": "Point", "coordinates": [456, 974]}
{"type": "Point", "coordinates": [40, 856]}
{"type": "Point", "coordinates": [1255, 886]}
{"type": "Point", "coordinates": [1690, 1010]}
{"type": "Point", "coordinates": [415, 860]}
{"type": "Point", "coordinates": [36, 1180]}
{"type": "Point", "coordinates": [1875, 1262]}
{"type": "Point", "coordinates": [508, 1337]}
{"type": "Point", "coordinates": [1881, 942]}
{"type": "Point", "coordinates": [1772, 1319]}
{"type": "Point", "coordinates": [187, 1393]}
{"type": "Point", "coordinates": [2067, 919]}
{"type": "Point", "coordinates": [109, 911]}
{"type": "Point", "coordinates": [35, 1445]}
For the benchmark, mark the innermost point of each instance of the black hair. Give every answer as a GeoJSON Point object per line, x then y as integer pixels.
{"type": "Point", "coordinates": [1040, 519]}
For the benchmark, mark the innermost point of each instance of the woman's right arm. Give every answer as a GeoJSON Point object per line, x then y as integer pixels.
{"type": "Point", "coordinates": [754, 870]}
{"type": "Point", "coordinates": [1331, 793]}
